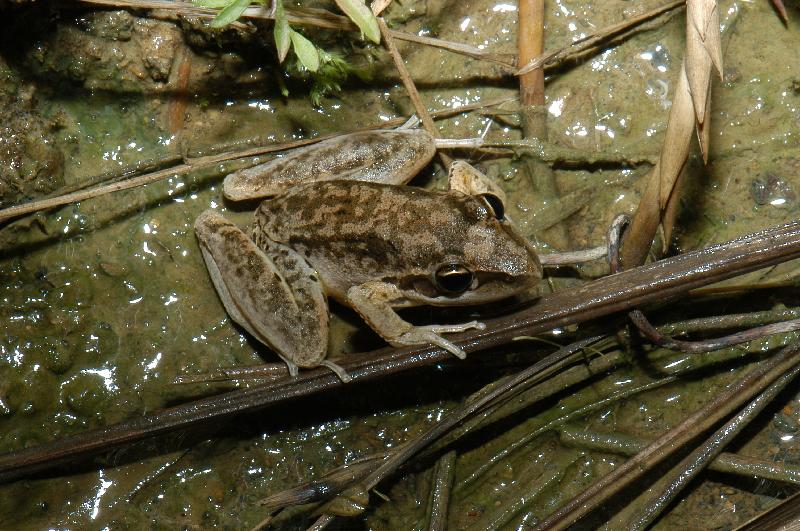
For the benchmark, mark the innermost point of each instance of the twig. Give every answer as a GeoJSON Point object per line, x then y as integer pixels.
{"type": "Point", "coordinates": [530, 43]}
{"type": "Point", "coordinates": [726, 462]}
{"type": "Point", "coordinates": [319, 18]}
{"type": "Point", "coordinates": [667, 488]}
{"type": "Point", "coordinates": [504, 389]}
{"type": "Point", "coordinates": [781, 9]}
{"type": "Point", "coordinates": [411, 88]}
{"type": "Point", "coordinates": [442, 485]}
{"type": "Point", "coordinates": [722, 405]}
{"type": "Point", "coordinates": [325, 19]}
{"type": "Point", "coordinates": [635, 287]}
{"type": "Point", "coordinates": [643, 325]}
{"type": "Point", "coordinates": [201, 163]}
{"type": "Point", "coordinates": [594, 39]}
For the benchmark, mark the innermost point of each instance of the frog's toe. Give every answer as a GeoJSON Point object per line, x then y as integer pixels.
{"type": "Point", "coordinates": [462, 327]}
{"type": "Point", "coordinates": [338, 370]}
{"type": "Point", "coordinates": [424, 335]}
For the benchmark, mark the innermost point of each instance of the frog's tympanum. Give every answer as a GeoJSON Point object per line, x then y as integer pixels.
{"type": "Point", "coordinates": [339, 224]}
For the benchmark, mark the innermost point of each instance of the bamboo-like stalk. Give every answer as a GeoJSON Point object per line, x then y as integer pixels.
{"type": "Point", "coordinates": [530, 43]}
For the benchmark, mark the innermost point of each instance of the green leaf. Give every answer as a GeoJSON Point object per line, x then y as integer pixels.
{"type": "Point", "coordinates": [362, 16]}
{"type": "Point", "coordinates": [305, 50]}
{"type": "Point", "coordinates": [211, 4]}
{"type": "Point", "coordinates": [283, 38]}
{"type": "Point", "coordinates": [232, 12]}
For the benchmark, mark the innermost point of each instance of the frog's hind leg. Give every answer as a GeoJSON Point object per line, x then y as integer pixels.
{"type": "Point", "coordinates": [272, 292]}
{"type": "Point", "coordinates": [390, 157]}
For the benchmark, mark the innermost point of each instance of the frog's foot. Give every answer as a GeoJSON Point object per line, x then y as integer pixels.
{"type": "Point", "coordinates": [270, 291]}
{"type": "Point", "coordinates": [423, 335]}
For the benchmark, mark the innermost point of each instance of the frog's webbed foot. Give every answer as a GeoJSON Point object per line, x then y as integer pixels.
{"type": "Point", "coordinates": [272, 292]}
{"type": "Point", "coordinates": [372, 301]}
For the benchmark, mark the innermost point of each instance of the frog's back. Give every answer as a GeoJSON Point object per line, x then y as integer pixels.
{"type": "Point", "coordinates": [353, 232]}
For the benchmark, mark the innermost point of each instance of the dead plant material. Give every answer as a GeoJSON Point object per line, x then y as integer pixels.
{"type": "Point", "coordinates": [654, 282]}
{"type": "Point", "coordinates": [781, 9]}
{"type": "Point", "coordinates": [689, 112]}
{"type": "Point", "coordinates": [748, 467]}
{"type": "Point", "coordinates": [500, 391]}
{"type": "Point", "coordinates": [728, 400]}
{"type": "Point", "coordinates": [530, 44]}
{"type": "Point", "coordinates": [411, 88]}
{"type": "Point", "coordinates": [198, 163]}
{"type": "Point", "coordinates": [596, 38]}
{"type": "Point", "coordinates": [314, 17]}
{"type": "Point", "coordinates": [662, 493]}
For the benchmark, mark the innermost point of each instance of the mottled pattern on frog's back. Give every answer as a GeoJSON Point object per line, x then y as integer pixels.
{"type": "Point", "coordinates": [354, 232]}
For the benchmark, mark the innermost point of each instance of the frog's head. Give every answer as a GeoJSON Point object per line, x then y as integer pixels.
{"type": "Point", "coordinates": [493, 260]}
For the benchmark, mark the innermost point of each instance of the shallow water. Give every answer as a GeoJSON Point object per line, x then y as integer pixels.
{"type": "Point", "coordinates": [107, 301]}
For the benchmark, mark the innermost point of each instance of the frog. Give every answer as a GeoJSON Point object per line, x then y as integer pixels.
{"type": "Point", "coordinates": [337, 220]}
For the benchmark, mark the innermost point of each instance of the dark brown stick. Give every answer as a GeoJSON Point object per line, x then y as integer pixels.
{"type": "Point", "coordinates": [623, 291]}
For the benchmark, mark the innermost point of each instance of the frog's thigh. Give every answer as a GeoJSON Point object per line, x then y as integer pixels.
{"type": "Point", "coordinates": [372, 300]}
{"type": "Point", "coordinates": [273, 294]}
{"type": "Point", "coordinates": [391, 157]}
{"type": "Point", "coordinates": [465, 178]}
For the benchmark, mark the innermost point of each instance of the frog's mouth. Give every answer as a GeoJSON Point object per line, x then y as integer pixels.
{"type": "Point", "coordinates": [485, 288]}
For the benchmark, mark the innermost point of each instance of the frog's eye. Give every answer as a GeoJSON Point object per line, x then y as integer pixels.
{"type": "Point", "coordinates": [494, 204]}
{"type": "Point", "coordinates": [453, 278]}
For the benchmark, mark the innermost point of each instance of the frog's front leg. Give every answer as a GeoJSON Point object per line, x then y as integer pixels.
{"type": "Point", "coordinates": [372, 300]}
{"type": "Point", "coordinates": [270, 291]}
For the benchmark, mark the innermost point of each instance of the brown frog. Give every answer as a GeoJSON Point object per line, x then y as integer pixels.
{"type": "Point", "coordinates": [351, 232]}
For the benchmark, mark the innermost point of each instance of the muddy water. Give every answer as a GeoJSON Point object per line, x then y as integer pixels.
{"type": "Point", "coordinates": [107, 301]}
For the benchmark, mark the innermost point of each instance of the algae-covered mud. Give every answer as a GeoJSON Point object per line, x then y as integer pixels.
{"type": "Point", "coordinates": [107, 301]}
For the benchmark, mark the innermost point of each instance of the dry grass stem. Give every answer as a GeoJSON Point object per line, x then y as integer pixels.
{"type": "Point", "coordinates": [652, 503]}
{"type": "Point", "coordinates": [725, 402]}
{"type": "Point", "coordinates": [781, 10]}
{"type": "Point", "coordinates": [405, 77]}
{"type": "Point", "coordinates": [689, 112]}
{"type": "Point", "coordinates": [321, 18]}
{"type": "Point", "coordinates": [530, 44]}
{"type": "Point", "coordinates": [411, 88]}
{"type": "Point", "coordinates": [730, 463]}
{"type": "Point", "coordinates": [198, 163]}
{"type": "Point", "coordinates": [318, 18]}
{"type": "Point", "coordinates": [439, 503]}
{"type": "Point", "coordinates": [595, 38]}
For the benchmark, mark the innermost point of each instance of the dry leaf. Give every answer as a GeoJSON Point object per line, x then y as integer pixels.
{"type": "Point", "coordinates": [677, 138]}
{"type": "Point", "coordinates": [377, 6]}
